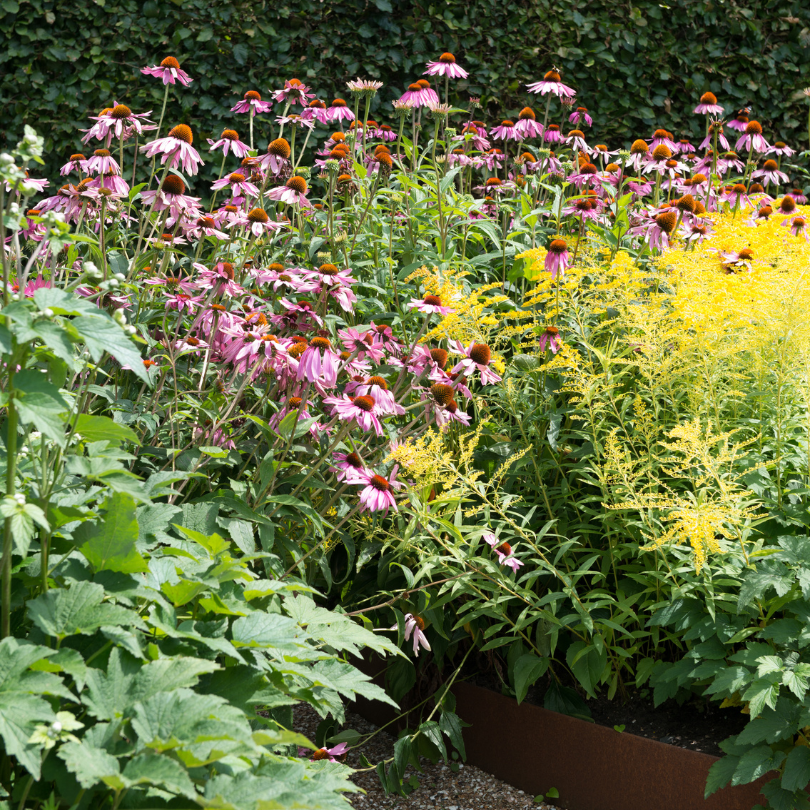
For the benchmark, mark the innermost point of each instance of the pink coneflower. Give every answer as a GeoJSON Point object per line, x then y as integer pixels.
{"type": "Point", "coordinates": [295, 120]}
{"type": "Point", "coordinates": [412, 97]}
{"type": "Point", "coordinates": [753, 139]}
{"type": "Point", "coordinates": [553, 134]}
{"type": "Point", "coordinates": [384, 133]}
{"type": "Point", "coordinates": [77, 163]}
{"type": "Point", "coordinates": [326, 753]}
{"type": "Point", "coordinates": [505, 131]}
{"type": "Point", "coordinates": [216, 438]}
{"type": "Point", "coordinates": [430, 304]}
{"type": "Point", "coordinates": [503, 550]}
{"type": "Point", "coordinates": [658, 229]}
{"type": "Point", "coordinates": [168, 70]}
{"type": "Point", "coordinates": [204, 226]}
{"type": "Point", "coordinates": [347, 467]}
{"type": "Point", "coordinates": [661, 136]}
{"type": "Point", "coordinates": [118, 121]}
{"type": "Point", "coordinates": [798, 196]}
{"type": "Point", "coordinates": [377, 388]}
{"type": "Point", "coordinates": [415, 625]}
{"type": "Point", "coordinates": [259, 222]}
{"type": "Point", "coordinates": [781, 149]}
{"type": "Point", "coordinates": [580, 116]}
{"type": "Point", "coordinates": [339, 111]}
{"type": "Point", "coordinates": [171, 195]}
{"type": "Point", "coordinates": [240, 187]}
{"type": "Point", "coordinates": [112, 185]}
{"type": "Point", "coordinates": [319, 364]}
{"type": "Point", "coordinates": [362, 409]}
{"type": "Point", "coordinates": [185, 285]}
{"type": "Point", "coordinates": [446, 66]}
{"type": "Point", "coordinates": [294, 92]}
{"type": "Point", "coordinates": [475, 136]}
{"type": "Point", "coordinates": [229, 142]}
{"type": "Point", "coordinates": [685, 147]}
{"type": "Point", "coordinates": [378, 492]}
{"type": "Point", "coordinates": [740, 121]}
{"type": "Point", "coordinates": [277, 158]}
{"type": "Point", "coordinates": [252, 103]}
{"type": "Point", "coordinates": [315, 111]}
{"type": "Point", "coordinates": [552, 83]}
{"type": "Point", "coordinates": [770, 173]}
{"type": "Point", "coordinates": [336, 283]}
{"type": "Point", "coordinates": [527, 126]}
{"type": "Point", "coordinates": [102, 162]}
{"type": "Point", "coordinates": [557, 258]}
{"type": "Point", "coordinates": [429, 95]}
{"type": "Point", "coordinates": [708, 105]}
{"type": "Point", "coordinates": [797, 225]}
{"type": "Point", "coordinates": [176, 148]}
{"type": "Point", "coordinates": [363, 345]}
{"type": "Point", "coordinates": [550, 339]}
{"type": "Point", "coordinates": [476, 356]}
{"type": "Point", "coordinates": [220, 279]}
{"type": "Point", "coordinates": [293, 192]}
{"type": "Point", "coordinates": [729, 160]}
{"type": "Point", "coordinates": [715, 128]}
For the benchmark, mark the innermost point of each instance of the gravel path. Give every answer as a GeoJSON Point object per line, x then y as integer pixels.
{"type": "Point", "coordinates": [469, 788]}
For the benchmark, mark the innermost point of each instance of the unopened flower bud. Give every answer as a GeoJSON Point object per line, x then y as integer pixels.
{"type": "Point", "coordinates": [120, 317]}
{"type": "Point", "coordinates": [20, 498]}
{"type": "Point", "coordinates": [130, 330]}
{"type": "Point", "coordinates": [48, 312]}
{"type": "Point", "coordinates": [120, 276]}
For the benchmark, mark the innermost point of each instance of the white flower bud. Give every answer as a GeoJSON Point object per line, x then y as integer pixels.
{"type": "Point", "coordinates": [35, 435]}
{"type": "Point", "coordinates": [6, 159]}
{"type": "Point", "coordinates": [113, 283]}
{"type": "Point", "coordinates": [130, 330]}
{"type": "Point", "coordinates": [120, 317]}
{"type": "Point", "coordinates": [20, 498]}
{"type": "Point", "coordinates": [120, 277]}
{"type": "Point", "coordinates": [48, 312]}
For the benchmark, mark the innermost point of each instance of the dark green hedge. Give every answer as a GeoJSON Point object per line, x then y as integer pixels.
{"type": "Point", "coordinates": [634, 66]}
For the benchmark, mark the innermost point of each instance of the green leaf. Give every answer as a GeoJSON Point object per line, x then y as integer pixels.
{"type": "Point", "coordinates": [39, 402]}
{"type": "Point", "coordinates": [109, 544]}
{"type": "Point", "coordinates": [65, 612]}
{"type": "Point", "coordinates": [102, 334]}
{"type": "Point", "coordinates": [452, 725]}
{"type": "Point", "coordinates": [263, 630]}
{"type": "Point", "coordinates": [528, 669]}
{"type": "Point", "coordinates": [796, 775]}
{"type": "Point", "coordinates": [755, 763]}
{"type": "Point", "coordinates": [90, 765]}
{"type": "Point", "coordinates": [102, 428]}
{"type": "Point", "coordinates": [154, 769]}
{"type": "Point", "coordinates": [433, 733]}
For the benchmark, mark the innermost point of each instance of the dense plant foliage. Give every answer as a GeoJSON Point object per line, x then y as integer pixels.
{"type": "Point", "coordinates": [635, 65]}
{"type": "Point", "coordinates": [541, 413]}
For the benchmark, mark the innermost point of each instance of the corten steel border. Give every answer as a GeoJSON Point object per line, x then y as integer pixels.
{"type": "Point", "coordinates": [593, 767]}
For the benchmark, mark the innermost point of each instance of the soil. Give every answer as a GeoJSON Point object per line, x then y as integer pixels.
{"type": "Point", "coordinates": [698, 726]}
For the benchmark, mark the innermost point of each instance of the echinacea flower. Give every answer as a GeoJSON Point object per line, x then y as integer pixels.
{"type": "Point", "coordinates": [770, 173]}
{"type": "Point", "coordinates": [378, 492]}
{"type": "Point", "coordinates": [430, 304]}
{"type": "Point", "coordinates": [476, 356]}
{"type": "Point", "coordinates": [779, 148]}
{"type": "Point", "coordinates": [176, 148]}
{"type": "Point", "coordinates": [252, 103]}
{"type": "Point", "coordinates": [504, 551]}
{"type": "Point", "coordinates": [580, 116]}
{"type": "Point", "coordinates": [326, 753]}
{"type": "Point", "coordinates": [116, 121]}
{"type": "Point", "coordinates": [170, 195]}
{"type": "Point", "coordinates": [319, 364]}
{"type": "Point", "coordinates": [797, 225]}
{"type": "Point", "coordinates": [277, 157]}
{"type": "Point", "coordinates": [293, 192]}
{"type": "Point", "coordinates": [552, 83]}
{"type": "Point", "coordinates": [752, 139]}
{"type": "Point", "coordinates": [229, 142]}
{"type": "Point", "coordinates": [557, 258]}
{"type": "Point", "coordinates": [77, 163]}
{"type": "Point", "coordinates": [260, 223]}
{"type": "Point", "coordinates": [347, 467]}
{"type": "Point", "coordinates": [446, 66]}
{"type": "Point", "coordinates": [550, 339]}
{"type": "Point", "coordinates": [339, 111]}
{"type": "Point", "coordinates": [527, 126]}
{"type": "Point", "coordinates": [362, 409]}
{"type": "Point", "coordinates": [364, 86]}
{"type": "Point", "coordinates": [740, 121]}
{"type": "Point", "coordinates": [102, 162]}
{"type": "Point", "coordinates": [415, 625]}
{"type": "Point", "coordinates": [293, 92]}
{"type": "Point", "coordinates": [505, 131]}
{"type": "Point", "coordinates": [169, 71]}
{"type": "Point", "coordinates": [708, 105]}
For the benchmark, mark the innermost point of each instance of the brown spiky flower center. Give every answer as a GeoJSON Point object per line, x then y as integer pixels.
{"type": "Point", "coordinates": [170, 62]}
{"type": "Point", "coordinates": [481, 354]}
{"type": "Point", "coordinates": [432, 300]}
{"type": "Point", "coordinates": [788, 204]}
{"type": "Point", "coordinates": [364, 402]}
{"type": "Point", "coordinates": [297, 184]}
{"type": "Point", "coordinates": [230, 135]}
{"type": "Point", "coordinates": [378, 381]}
{"type": "Point", "coordinates": [667, 221]}
{"type": "Point", "coordinates": [380, 483]}
{"type": "Point", "coordinates": [120, 111]}
{"type": "Point", "coordinates": [439, 356]}
{"type": "Point", "coordinates": [527, 112]}
{"type": "Point", "coordinates": [552, 76]}
{"type": "Point", "coordinates": [258, 215]}
{"type": "Point", "coordinates": [662, 152]}
{"type": "Point", "coordinates": [280, 148]}
{"type": "Point", "coordinates": [172, 184]}
{"type": "Point", "coordinates": [183, 133]}
{"type": "Point", "coordinates": [639, 147]}
{"type": "Point", "coordinates": [558, 246]}
{"type": "Point", "coordinates": [321, 343]}
{"type": "Point", "coordinates": [442, 393]}
{"type": "Point", "coordinates": [447, 58]}
{"type": "Point", "coordinates": [708, 98]}
{"type": "Point", "coordinates": [252, 95]}
{"type": "Point", "coordinates": [770, 166]}
{"type": "Point", "coordinates": [753, 128]}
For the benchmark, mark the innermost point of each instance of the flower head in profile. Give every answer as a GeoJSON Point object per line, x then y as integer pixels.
{"type": "Point", "coordinates": [326, 753]}
{"type": "Point", "coordinates": [365, 86]}
{"type": "Point", "coordinates": [475, 356]}
{"type": "Point", "coordinates": [378, 491]}
{"type": "Point", "coordinates": [550, 339]}
{"type": "Point", "coordinates": [415, 625]}
{"type": "Point", "coordinates": [752, 139]}
{"type": "Point", "coordinates": [557, 258]}
{"type": "Point", "coordinates": [338, 110]}
{"type": "Point", "coordinates": [252, 103]}
{"type": "Point", "coordinates": [708, 105]}
{"type": "Point", "coordinates": [552, 83]}
{"type": "Point", "coordinates": [504, 551]}
{"type": "Point", "coordinates": [176, 149]}
{"type": "Point", "coordinates": [447, 66]}
{"type": "Point", "coordinates": [169, 71]}
{"type": "Point", "coordinates": [362, 409]}
{"type": "Point", "coordinates": [229, 142]}
{"type": "Point", "coordinates": [293, 92]}
{"type": "Point", "coordinates": [431, 305]}
{"type": "Point", "coordinates": [293, 192]}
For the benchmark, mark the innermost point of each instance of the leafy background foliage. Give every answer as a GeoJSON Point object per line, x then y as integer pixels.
{"type": "Point", "coordinates": [634, 66]}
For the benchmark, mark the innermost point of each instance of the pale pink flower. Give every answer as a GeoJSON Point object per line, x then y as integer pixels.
{"type": "Point", "coordinates": [362, 409]}
{"type": "Point", "coordinates": [77, 163]}
{"type": "Point", "coordinates": [504, 551]}
{"type": "Point", "coordinates": [552, 83]}
{"type": "Point", "coordinates": [752, 139]}
{"type": "Point", "coordinates": [708, 105]}
{"type": "Point", "coordinates": [476, 356]}
{"type": "Point", "coordinates": [339, 111]}
{"type": "Point", "coordinates": [319, 364]}
{"type": "Point", "coordinates": [294, 92]}
{"type": "Point", "coordinates": [550, 339]}
{"type": "Point", "coordinates": [293, 192]}
{"type": "Point", "coordinates": [347, 467]}
{"type": "Point", "coordinates": [169, 71]}
{"type": "Point", "coordinates": [229, 142]}
{"type": "Point", "coordinates": [415, 625]}
{"type": "Point", "coordinates": [430, 304]}
{"type": "Point", "coordinates": [176, 148]}
{"type": "Point", "coordinates": [446, 66]}
{"type": "Point", "coordinates": [252, 103]}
